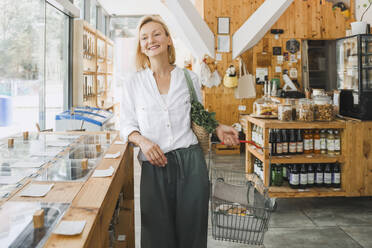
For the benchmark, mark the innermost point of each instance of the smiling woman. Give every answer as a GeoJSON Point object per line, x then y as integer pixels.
{"type": "Point", "coordinates": [156, 34]}
{"type": "Point", "coordinates": [156, 117]}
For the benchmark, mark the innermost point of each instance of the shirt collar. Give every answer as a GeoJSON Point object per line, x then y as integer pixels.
{"type": "Point", "coordinates": [148, 70]}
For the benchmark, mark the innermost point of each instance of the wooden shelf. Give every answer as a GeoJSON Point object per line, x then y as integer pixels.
{"type": "Point", "coordinates": [296, 159]}
{"type": "Point", "coordinates": [87, 63]}
{"type": "Point", "coordinates": [89, 72]}
{"type": "Point", "coordinates": [101, 36]}
{"type": "Point", "coordinates": [87, 27]}
{"type": "Point", "coordinates": [306, 158]}
{"type": "Point", "coordinates": [90, 54]}
{"type": "Point", "coordinates": [90, 96]}
{"type": "Point", "coordinates": [256, 152]}
{"type": "Point", "coordinates": [273, 123]}
{"type": "Point", "coordinates": [287, 192]}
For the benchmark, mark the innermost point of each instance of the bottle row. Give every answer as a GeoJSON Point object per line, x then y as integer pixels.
{"type": "Point", "coordinates": [306, 175]}
{"type": "Point", "coordinates": [298, 141]}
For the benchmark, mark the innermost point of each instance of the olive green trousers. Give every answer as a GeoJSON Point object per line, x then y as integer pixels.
{"type": "Point", "coordinates": [174, 201]}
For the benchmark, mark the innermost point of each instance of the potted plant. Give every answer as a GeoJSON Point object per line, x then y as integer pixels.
{"type": "Point", "coordinates": [360, 27]}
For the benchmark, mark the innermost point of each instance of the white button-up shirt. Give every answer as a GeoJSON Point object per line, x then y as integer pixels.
{"type": "Point", "coordinates": [166, 123]}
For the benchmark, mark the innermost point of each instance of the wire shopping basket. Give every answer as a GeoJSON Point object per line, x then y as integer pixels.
{"type": "Point", "coordinates": [240, 206]}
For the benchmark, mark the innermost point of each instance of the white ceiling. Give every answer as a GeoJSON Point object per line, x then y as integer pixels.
{"type": "Point", "coordinates": [182, 18]}
{"type": "Point", "coordinates": [132, 7]}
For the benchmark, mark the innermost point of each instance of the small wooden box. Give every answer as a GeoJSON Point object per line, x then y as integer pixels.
{"type": "Point", "coordinates": [25, 135]}
{"type": "Point", "coordinates": [10, 143]}
{"type": "Point", "coordinates": [84, 164]}
{"type": "Point", "coordinates": [98, 148]}
{"type": "Point", "coordinates": [38, 219]}
{"type": "Point", "coordinates": [226, 150]}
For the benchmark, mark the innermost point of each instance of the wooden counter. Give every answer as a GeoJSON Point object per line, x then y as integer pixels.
{"type": "Point", "coordinates": [94, 201]}
{"type": "Point", "coordinates": [355, 158]}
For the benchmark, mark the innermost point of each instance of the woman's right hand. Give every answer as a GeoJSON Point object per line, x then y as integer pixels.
{"type": "Point", "coordinates": [152, 152]}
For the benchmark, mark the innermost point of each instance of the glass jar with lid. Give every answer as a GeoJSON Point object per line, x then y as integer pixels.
{"type": "Point", "coordinates": [323, 108]}
{"type": "Point", "coordinates": [293, 103]}
{"type": "Point", "coordinates": [265, 106]}
{"type": "Point", "coordinates": [318, 92]}
{"type": "Point", "coordinates": [305, 110]}
{"type": "Point", "coordinates": [285, 112]}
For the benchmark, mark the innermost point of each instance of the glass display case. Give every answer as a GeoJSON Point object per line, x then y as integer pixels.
{"type": "Point", "coordinates": [52, 157]}
{"type": "Point", "coordinates": [18, 228]}
{"type": "Point", "coordinates": [354, 75]}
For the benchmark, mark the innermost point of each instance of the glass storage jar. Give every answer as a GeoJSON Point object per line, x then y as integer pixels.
{"type": "Point", "coordinates": [323, 108]}
{"type": "Point", "coordinates": [265, 107]}
{"type": "Point", "coordinates": [318, 92]}
{"type": "Point", "coordinates": [285, 112]}
{"type": "Point", "coordinates": [293, 102]}
{"type": "Point", "coordinates": [305, 110]}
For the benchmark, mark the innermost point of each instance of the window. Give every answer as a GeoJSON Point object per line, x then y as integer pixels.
{"type": "Point", "coordinates": [107, 26]}
{"type": "Point", "coordinates": [56, 64]}
{"type": "Point", "coordinates": [33, 64]}
{"type": "Point", "coordinates": [21, 63]}
{"type": "Point", "coordinates": [93, 13]}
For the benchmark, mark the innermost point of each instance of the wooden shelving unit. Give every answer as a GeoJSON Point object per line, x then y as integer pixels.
{"type": "Point", "coordinates": [296, 159]}
{"type": "Point", "coordinates": [287, 192]}
{"type": "Point", "coordinates": [262, 154]}
{"type": "Point", "coordinates": [93, 67]}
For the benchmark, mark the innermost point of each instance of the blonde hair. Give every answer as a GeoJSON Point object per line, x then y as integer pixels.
{"type": "Point", "coordinates": [142, 61]}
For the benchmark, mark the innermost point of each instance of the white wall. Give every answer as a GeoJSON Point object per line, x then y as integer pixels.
{"type": "Point", "coordinates": [359, 10]}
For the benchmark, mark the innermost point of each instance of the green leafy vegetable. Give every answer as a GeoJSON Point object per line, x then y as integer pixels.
{"type": "Point", "coordinates": [202, 117]}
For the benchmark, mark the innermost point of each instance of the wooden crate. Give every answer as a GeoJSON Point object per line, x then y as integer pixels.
{"type": "Point", "coordinates": [227, 150]}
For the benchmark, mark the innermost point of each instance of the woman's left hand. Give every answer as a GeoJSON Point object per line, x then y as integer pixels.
{"type": "Point", "coordinates": [227, 135]}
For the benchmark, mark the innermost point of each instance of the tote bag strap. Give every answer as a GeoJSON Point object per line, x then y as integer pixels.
{"type": "Point", "coordinates": [240, 68]}
{"type": "Point", "coordinates": [190, 85]}
{"type": "Point", "coordinates": [243, 70]}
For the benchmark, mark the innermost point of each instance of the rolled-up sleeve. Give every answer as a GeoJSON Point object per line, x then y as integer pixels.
{"type": "Point", "coordinates": [128, 117]}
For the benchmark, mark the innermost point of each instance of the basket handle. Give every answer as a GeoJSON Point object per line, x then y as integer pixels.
{"type": "Point", "coordinates": [258, 184]}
